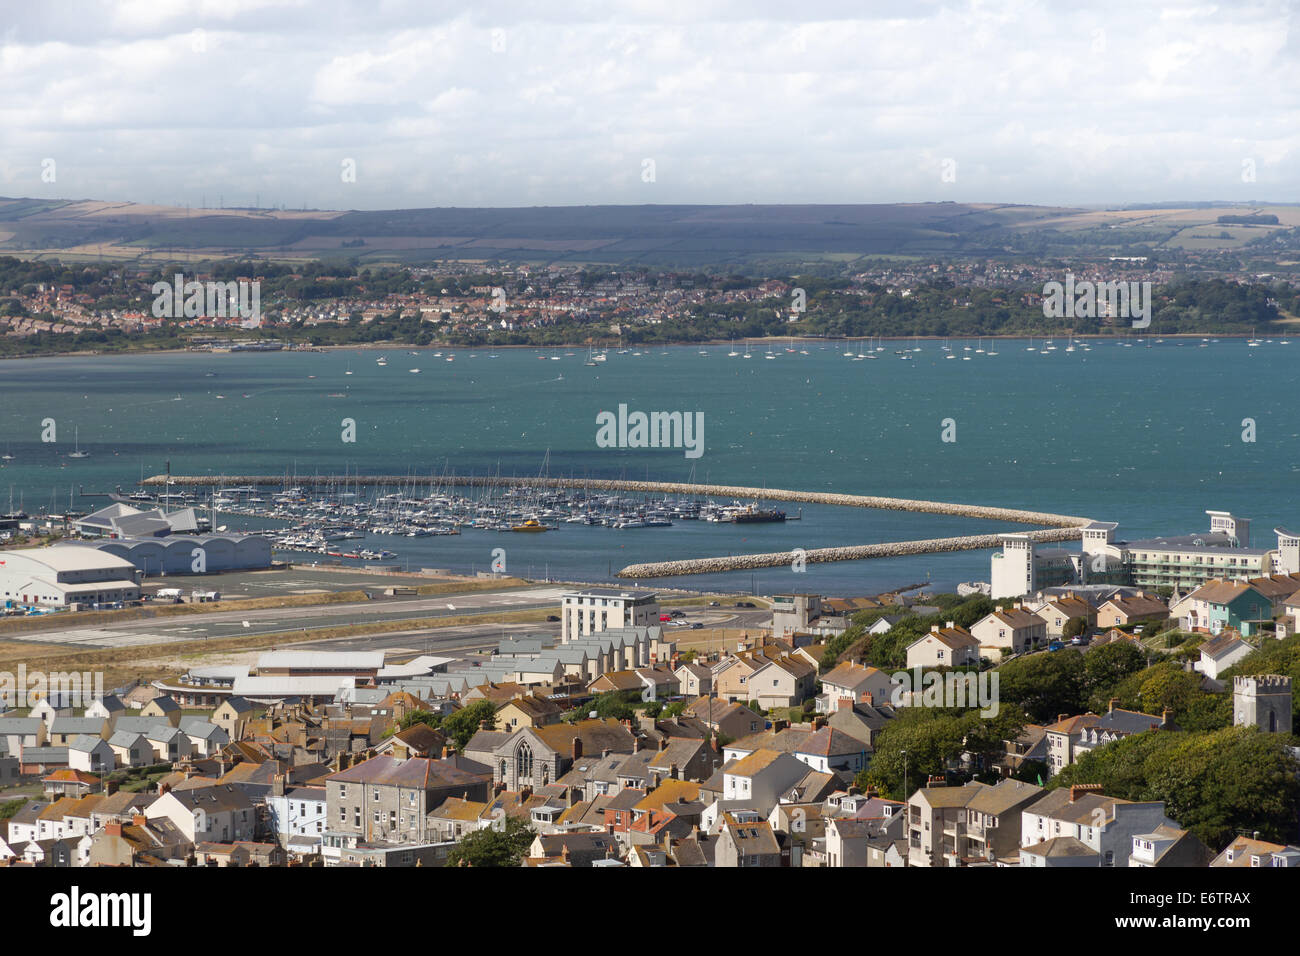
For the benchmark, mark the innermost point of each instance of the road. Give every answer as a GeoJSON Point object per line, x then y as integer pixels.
{"type": "Point", "coordinates": [317, 617]}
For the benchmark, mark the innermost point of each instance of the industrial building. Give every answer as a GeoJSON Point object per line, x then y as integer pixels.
{"type": "Point", "coordinates": [66, 576]}
{"type": "Point", "coordinates": [189, 554]}
{"type": "Point", "coordinates": [120, 520]}
{"type": "Point", "coordinates": [315, 676]}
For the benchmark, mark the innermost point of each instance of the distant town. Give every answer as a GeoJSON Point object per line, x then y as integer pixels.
{"type": "Point", "coordinates": [50, 306]}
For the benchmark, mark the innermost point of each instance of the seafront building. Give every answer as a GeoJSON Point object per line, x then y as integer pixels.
{"type": "Point", "coordinates": [1179, 563]}
{"type": "Point", "coordinates": [600, 609]}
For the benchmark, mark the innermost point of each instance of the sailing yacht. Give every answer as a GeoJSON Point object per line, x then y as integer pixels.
{"type": "Point", "coordinates": [76, 445]}
{"type": "Point", "coordinates": [980, 349]}
{"type": "Point", "coordinates": [747, 355]}
{"type": "Point", "coordinates": [6, 456]}
{"type": "Point", "coordinates": [769, 356]}
{"type": "Point", "coordinates": [382, 360]}
{"type": "Point", "coordinates": [590, 361]}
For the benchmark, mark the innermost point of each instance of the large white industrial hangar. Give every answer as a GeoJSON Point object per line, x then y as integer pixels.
{"type": "Point", "coordinates": [186, 554]}
{"type": "Point", "coordinates": [66, 575]}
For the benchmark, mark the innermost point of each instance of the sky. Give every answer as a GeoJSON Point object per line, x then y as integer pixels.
{"type": "Point", "coordinates": [373, 105]}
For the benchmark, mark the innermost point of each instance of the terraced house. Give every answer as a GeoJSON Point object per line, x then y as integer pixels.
{"type": "Point", "coordinates": [387, 800]}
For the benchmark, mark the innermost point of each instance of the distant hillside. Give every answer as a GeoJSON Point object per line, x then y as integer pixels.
{"type": "Point", "coordinates": [663, 236]}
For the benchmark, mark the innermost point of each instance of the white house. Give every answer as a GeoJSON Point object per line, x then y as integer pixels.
{"type": "Point", "coordinates": [91, 754]}
{"type": "Point", "coordinates": [297, 813]}
{"type": "Point", "coordinates": [219, 814]}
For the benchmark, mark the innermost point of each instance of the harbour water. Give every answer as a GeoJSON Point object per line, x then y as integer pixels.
{"type": "Point", "coordinates": [1149, 437]}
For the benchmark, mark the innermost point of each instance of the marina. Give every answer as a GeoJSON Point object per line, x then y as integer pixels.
{"type": "Point", "coordinates": [471, 429]}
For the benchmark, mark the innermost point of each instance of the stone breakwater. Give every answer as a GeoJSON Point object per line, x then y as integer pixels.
{"type": "Point", "coordinates": [668, 487]}
{"type": "Point", "coordinates": [890, 549]}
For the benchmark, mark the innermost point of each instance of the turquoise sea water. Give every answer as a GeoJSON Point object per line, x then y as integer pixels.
{"type": "Point", "coordinates": [1148, 437]}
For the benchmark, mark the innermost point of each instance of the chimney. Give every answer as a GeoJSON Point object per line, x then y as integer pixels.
{"type": "Point", "coordinates": [110, 787]}
{"type": "Point", "coordinates": [950, 624]}
{"type": "Point", "coordinates": [847, 702]}
{"type": "Point", "coordinates": [779, 725]}
{"type": "Point", "coordinates": [446, 751]}
{"type": "Point", "coordinates": [1114, 702]}
{"type": "Point", "coordinates": [663, 742]}
{"type": "Point", "coordinates": [1079, 789]}
{"type": "Point", "coordinates": [605, 752]}
{"type": "Point", "coordinates": [934, 628]}
{"type": "Point", "coordinates": [819, 723]}
{"type": "Point", "coordinates": [113, 829]}
{"type": "Point", "coordinates": [139, 819]}
{"type": "Point", "coordinates": [868, 698]}
{"type": "Point", "coordinates": [1061, 717]}
{"type": "Point", "coordinates": [278, 785]}
{"type": "Point", "coordinates": [577, 748]}
{"type": "Point", "coordinates": [636, 745]}
{"type": "Point", "coordinates": [673, 772]}
{"type": "Point", "coordinates": [1167, 716]}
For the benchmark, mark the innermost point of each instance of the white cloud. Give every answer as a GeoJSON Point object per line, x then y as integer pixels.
{"type": "Point", "coordinates": [736, 102]}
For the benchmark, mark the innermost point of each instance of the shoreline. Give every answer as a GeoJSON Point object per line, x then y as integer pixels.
{"type": "Point", "coordinates": [703, 343]}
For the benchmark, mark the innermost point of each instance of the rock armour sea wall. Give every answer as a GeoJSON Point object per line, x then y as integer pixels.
{"type": "Point", "coordinates": [774, 559]}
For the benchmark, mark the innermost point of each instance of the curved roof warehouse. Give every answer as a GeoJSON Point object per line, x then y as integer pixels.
{"type": "Point", "coordinates": [65, 575]}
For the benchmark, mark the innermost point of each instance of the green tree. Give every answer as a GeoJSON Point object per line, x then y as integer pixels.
{"type": "Point", "coordinates": [1074, 627]}
{"type": "Point", "coordinates": [491, 847]}
{"type": "Point", "coordinates": [611, 705]}
{"type": "Point", "coordinates": [420, 717]}
{"type": "Point", "coordinates": [1104, 667]}
{"type": "Point", "coordinates": [1214, 784]}
{"type": "Point", "coordinates": [1043, 685]}
{"type": "Point", "coordinates": [466, 722]}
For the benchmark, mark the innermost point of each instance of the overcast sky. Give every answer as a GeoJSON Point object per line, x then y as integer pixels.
{"type": "Point", "coordinates": [530, 103]}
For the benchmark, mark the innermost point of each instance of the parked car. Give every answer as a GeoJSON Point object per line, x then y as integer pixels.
{"type": "Point", "coordinates": [552, 617]}
{"type": "Point", "coordinates": [676, 613]}
{"type": "Point", "coordinates": [744, 604]}
{"type": "Point", "coordinates": [696, 626]}
{"type": "Point", "coordinates": [713, 604]}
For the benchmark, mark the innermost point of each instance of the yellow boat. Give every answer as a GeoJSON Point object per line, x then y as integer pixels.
{"type": "Point", "coordinates": [532, 524]}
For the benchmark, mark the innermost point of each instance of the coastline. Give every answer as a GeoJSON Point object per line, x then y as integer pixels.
{"type": "Point", "coordinates": [752, 340]}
